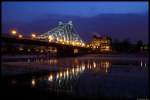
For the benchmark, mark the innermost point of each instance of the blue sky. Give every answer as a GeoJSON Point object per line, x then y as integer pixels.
{"type": "Point", "coordinates": [130, 17]}
{"type": "Point", "coordinates": [31, 10]}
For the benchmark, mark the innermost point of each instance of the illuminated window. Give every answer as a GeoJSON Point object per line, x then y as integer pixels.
{"type": "Point", "coordinates": [75, 50]}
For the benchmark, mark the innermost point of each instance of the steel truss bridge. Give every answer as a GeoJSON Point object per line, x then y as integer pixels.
{"type": "Point", "coordinates": [63, 39]}
{"type": "Point", "coordinates": [64, 33]}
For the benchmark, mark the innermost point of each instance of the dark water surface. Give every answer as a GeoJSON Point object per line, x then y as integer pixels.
{"type": "Point", "coordinates": [112, 77]}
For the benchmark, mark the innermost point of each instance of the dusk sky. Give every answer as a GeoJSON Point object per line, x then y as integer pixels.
{"type": "Point", "coordinates": [118, 19]}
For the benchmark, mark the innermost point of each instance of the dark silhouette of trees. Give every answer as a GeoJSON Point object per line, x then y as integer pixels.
{"type": "Point", "coordinates": [139, 46]}
{"type": "Point", "coordinates": [122, 46]}
{"type": "Point", "coordinates": [127, 46]}
{"type": "Point", "coordinates": [116, 45]}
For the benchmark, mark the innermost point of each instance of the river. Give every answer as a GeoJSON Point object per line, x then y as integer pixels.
{"type": "Point", "coordinates": [90, 76]}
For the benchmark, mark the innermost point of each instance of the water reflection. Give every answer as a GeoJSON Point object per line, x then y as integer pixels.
{"type": "Point", "coordinates": [53, 61]}
{"type": "Point", "coordinates": [77, 63]}
{"type": "Point", "coordinates": [50, 78]}
{"type": "Point", "coordinates": [94, 64]}
{"type": "Point", "coordinates": [143, 63]}
{"type": "Point", "coordinates": [90, 72]}
{"type": "Point", "coordinates": [105, 65]}
{"type": "Point", "coordinates": [66, 78]}
{"type": "Point", "coordinates": [50, 61]}
{"type": "Point", "coordinates": [33, 82]}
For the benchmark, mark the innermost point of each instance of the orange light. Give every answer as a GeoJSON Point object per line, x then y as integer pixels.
{"type": "Point", "coordinates": [107, 47]}
{"type": "Point", "coordinates": [13, 32]}
{"type": "Point", "coordinates": [33, 35]}
{"type": "Point", "coordinates": [67, 42]}
{"type": "Point", "coordinates": [50, 78]}
{"type": "Point", "coordinates": [73, 42]}
{"type": "Point", "coordinates": [60, 74]}
{"type": "Point", "coordinates": [60, 40]}
{"type": "Point", "coordinates": [33, 82]}
{"type": "Point", "coordinates": [50, 38]}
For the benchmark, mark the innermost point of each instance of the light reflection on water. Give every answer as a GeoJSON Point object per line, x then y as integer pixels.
{"type": "Point", "coordinates": [143, 64]}
{"type": "Point", "coordinates": [33, 82]}
{"type": "Point", "coordinates": [68, 77]}
{"type": "Point", "coordinates": [76, 62]}
{"type": "Point", "coordinates": [75, 71]}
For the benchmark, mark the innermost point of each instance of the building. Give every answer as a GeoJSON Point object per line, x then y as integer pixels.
{"type": "Point", "coordinates": [101, 44]}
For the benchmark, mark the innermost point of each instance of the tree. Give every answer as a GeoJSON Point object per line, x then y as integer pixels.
{"type": "Point", "coordinates": [116, 45]}
{"type": "Point", "coordinates": [139, 45]}
{"type": "Point", "coordinates": [126, 45]}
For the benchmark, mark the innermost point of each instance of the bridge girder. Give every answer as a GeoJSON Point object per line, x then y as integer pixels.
{"type": "Point", "coordinates": [64, 32]}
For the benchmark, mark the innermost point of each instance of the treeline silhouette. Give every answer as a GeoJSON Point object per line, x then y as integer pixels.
{"type": "Point", "coordinates": [127, 46]}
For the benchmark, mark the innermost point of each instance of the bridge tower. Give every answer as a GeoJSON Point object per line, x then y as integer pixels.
{"type": "Point", "coordinates": [64, 33]}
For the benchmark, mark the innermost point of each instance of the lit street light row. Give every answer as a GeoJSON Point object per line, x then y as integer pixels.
{"type": "Point", "coordinates": [50, 38]}
{"type": "Point", "coordinates": [14, 33]}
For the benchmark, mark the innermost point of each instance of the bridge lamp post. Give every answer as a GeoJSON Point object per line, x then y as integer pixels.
{"type": "Point", "coordinates": [83, 44]}
{"type": "Point", "coordinates": [13, 32]}
{"type": "Point", "coordinates": [33, 35]}
{"type": "Point", "coordinates": [78, 43]}
{"type": "Point", "coordinates": [50, 38]}
{"type": "Point", "coordinates": [73, 43]}
{"type": "Point", "coordinates": [61, 41]}
{"type": "Point", "coordinates": [87, 46]}
{"type": "Point", "coordinates": [67, 42]}
{"type": "Point", "coordinates": [20, 36]}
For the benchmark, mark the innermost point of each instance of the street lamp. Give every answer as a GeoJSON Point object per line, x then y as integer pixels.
{"type": "Point", "coordinates": [83, 44]}
{"type": "Point", "coordinates": [50, 38]}
{"type": "Point", "coordinates": [33, 35]}
{"type": "Point", "coordinates": [13, 32]}
{"type": "Point", "coordinates": [20, 36]}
